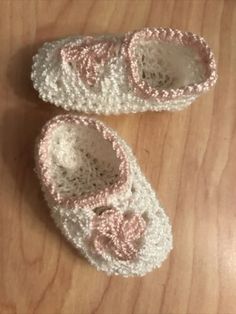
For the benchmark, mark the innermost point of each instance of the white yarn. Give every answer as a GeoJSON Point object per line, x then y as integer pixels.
{"type": "Point", "coordinates": [81, 160]}
{"type": "Point", "coordinates": [76, 223]}
{"type": "Point", "coordinates": [58, 83]}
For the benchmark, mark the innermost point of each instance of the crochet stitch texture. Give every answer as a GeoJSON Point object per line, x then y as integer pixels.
{"type": "Point", "coordinates": [152, 69]}
{"type": "Point", "coordinates": [99, 198]}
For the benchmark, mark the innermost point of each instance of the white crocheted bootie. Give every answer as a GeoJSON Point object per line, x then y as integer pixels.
{"type": "Point", "coordinates": [99, 198]}
{"type": "Point", "coordinates": [151, 69]}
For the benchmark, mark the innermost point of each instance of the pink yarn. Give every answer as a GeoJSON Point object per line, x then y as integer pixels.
{"type": "Point", "coordinates": [118, 234]}
{"type": "Point", "coordinates": [88, 56]}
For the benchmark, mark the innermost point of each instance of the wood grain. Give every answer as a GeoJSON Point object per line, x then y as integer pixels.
{"type": "Point", "coordinates": [188, 156]}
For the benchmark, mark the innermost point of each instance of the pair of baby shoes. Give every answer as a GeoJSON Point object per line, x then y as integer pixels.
{"type": "Point", "coordinates": [94, 187]}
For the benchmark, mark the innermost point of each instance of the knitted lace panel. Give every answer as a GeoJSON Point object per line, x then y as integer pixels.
{"type": "Point", "coordinates": [81, 161]}
{"type": "Point", "coordinates": [167, 65]}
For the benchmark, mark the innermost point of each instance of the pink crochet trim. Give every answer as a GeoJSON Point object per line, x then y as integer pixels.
{"type": "Point", "coordinates": [90, 57]}
{"type": "Point", "coordinates": [142, 88]}
{"type": "Point", "coordinates": [118, 234]}
{"type": "Point", "coordinates": [93, 199]}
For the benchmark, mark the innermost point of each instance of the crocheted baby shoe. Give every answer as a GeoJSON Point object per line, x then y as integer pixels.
{"type": "Point", "coordinates": [99, 198]}
{"type": "Point", "coordinates": [151, 69]}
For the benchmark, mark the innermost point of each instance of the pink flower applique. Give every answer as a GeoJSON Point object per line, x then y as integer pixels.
{"type": "Point", "coordinates": [118, 234]}
{"type": "Point", "coordinates": [90, 57]}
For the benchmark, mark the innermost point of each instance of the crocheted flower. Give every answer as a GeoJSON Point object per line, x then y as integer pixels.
{"type": "Point", "coordinates": [118, 234]}
{"type": "Point", "coordinates": [90, 57]}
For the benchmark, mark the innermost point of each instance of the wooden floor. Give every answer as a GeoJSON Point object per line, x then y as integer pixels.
{"type": "Point", "coordinates": [189, 157]}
